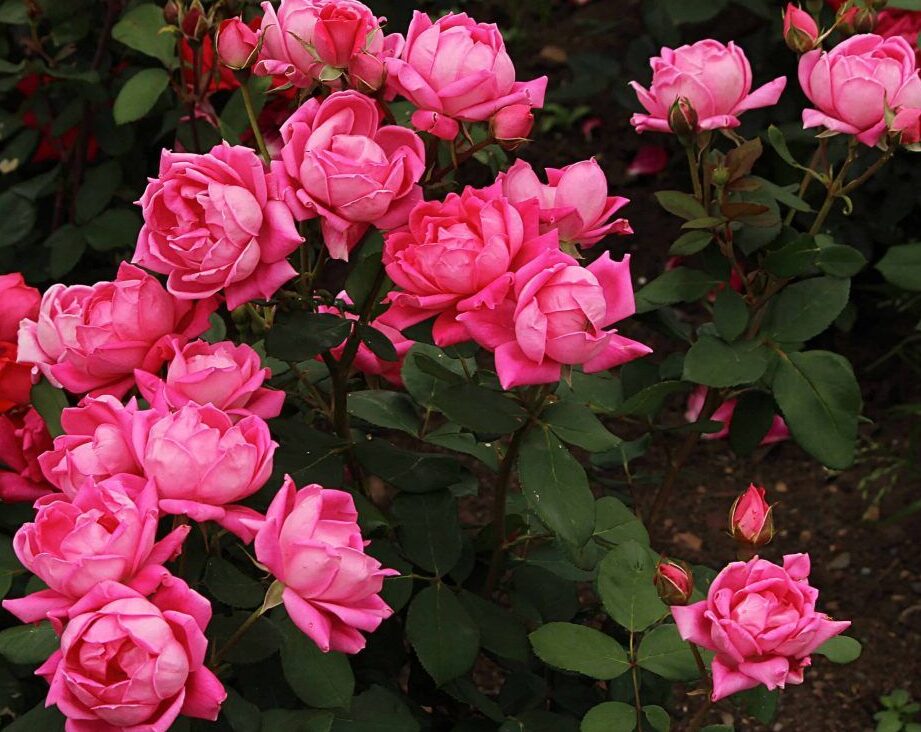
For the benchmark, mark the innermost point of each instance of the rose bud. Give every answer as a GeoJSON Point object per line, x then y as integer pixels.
{"type": "Point", "coordinates": [751, 519]}
{"type": "Point", "coordinates": [800, 30]}
{"type": "Point", "coordinates": [682, 118]}
{"type": "Point", "coordinates": [237, 44]}
{"type": "Point", "coordinates": [511, 125]}
{"type": "Point", "coordinates": [674, 581]}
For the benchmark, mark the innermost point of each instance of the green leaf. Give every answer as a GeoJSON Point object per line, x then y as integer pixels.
{"type": "Point", "coordinates": [116, 228]}
{"type": "Point", "coordinates": [676, 285]}
{"type": "Point", "coordinates": [657, 717]}
{"type": "Point", "coordinates": [417, 376]}
{"type": "Point", "coordinates": [577, 425]}
{"type": "Point", "coordinates": [241, 715]}
{"type": "Point", "coordinates": [840, 649]}
{"type": "Point", "coordinates": [713, 362]}
{"type": "Point", "coordinates": [301, 336]}
{"type": "Point", "coordinates": [38, 719]}
{"type": "Point", "coordinates": [901, 266]}
{"type": "Point", "coordinates": [413, 472]}
{"type": "Point", "coordinates": [751, 420]}
{"type": "Point", "coordinates": [581, 649]}
{"type": "Point", "coordinates": [257, 644]}
{"type": "Point", "coordinates": [730, 314]}
{"type": "Point", "coordinates": [49, 401]}
{"type": "Point", "coordinates": [231, 586]}
{"type": "Point", "coordinates": [28, 644]}
{"type": "Point", "coordinates": [556, 487]}
{"type": "Point", "coordinates": [385, 409]}
{"type": "Point", "coordinates": [140, 28]}
{"type": "Point", "coordinates": [9, 565]}
{"type": "Point", "coordinates": [479, 409]}
{"type": "Point", "coordinates": [14, 12]}
{"type": "Point", "coordinates": [776, 138]}
{"type": "Point", "coordinates": [378, 343]}
{"type": "Point", "coordinates": [139, 95]}
{"type": "Point", "coordinates": [67, 246]}
{"type": "Point", "coordinates": [794, 258]}
{"type": "Point", "coordinates": [500, 632]}
{"type": "Point", "coordinates": [297, 720]}
{"type": "Point", "coordinates": [647, 402]}
{"type": "Point", "coordinates": [375, 710]}
{"type": "Point", "coordinates": [428, 530]}
{"type": "Point", "coordinates": [681, 204]}
{"type": "Point", "coordinates": [615, 523]}
{"type": "Point", "coordinates": [691, 242]}
{"type": "Point", "coordinates": [321, 680]}
{"type": "Point", "coordinates": [442, 633]}
{"type": "Point", "coordinates": [760, 703]}
{"type": "Point", "coordinates": [625, 584]}
{"type": "Point", "coordinates": [706, 222]}
{"type": "Point", "coordinates": [451, 437]}
{"type": "Point", "coordinates": [805, 309]}
{"type": "Point", "coordinates": [840, 260]}
{"type": "Point", "coordinates": [17, 218]}
{"type": "Point", "coordinates": [97, 189]}
{"type": "Point", "coordinates": [820, 400]}
{"type": "Point", "coordinates": [609, 717]}
{"type": "Point", "coordinates": [664, 653]}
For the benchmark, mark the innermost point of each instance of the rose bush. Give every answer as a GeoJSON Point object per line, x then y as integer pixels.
{"type": "Point", "coordinates": [341, 281]}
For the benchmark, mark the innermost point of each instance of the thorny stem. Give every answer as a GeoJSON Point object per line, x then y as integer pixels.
{"type": "Point", "coordinates": [808, 176]}
{"type": "Point", "coordinates": [237, 635]}
{"type": "Point", "coordinates": [694, 167]}
{"type": "Point", "coordinates": [697, 721]}
{"type": "Point", "coordinates": [253, 120]}
{"type": "Point", "coordinates": [440, 173]}
{"type": "Point", "coordinates": [834, 190]}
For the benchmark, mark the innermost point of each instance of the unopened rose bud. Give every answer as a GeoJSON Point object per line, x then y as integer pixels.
{"type": "Point", "coordinates": [366, 73]}
{"type": "Point", "coordinates": [905, 127]}
{"type": "Point", "coordinates": [751, 519]}
{"type": "Point", "coordinates": [193, 22]}
{"type": "Point", "coordinates": [865, 20]}
{"type": "Point", "coordinates": [721, 176]}
{"type": "Point", "coordinates": [800, 30]}
{"type": "Point", "coordinates": [171, 13]}
{"type": "Point", "coordinates": [511, 125]}
{"type": "Point", "coordinates": [237, 44]}
{"type": "Point", "coordinates": [674, 581]}
{"type": "Point", "coordinates": [682, 118]}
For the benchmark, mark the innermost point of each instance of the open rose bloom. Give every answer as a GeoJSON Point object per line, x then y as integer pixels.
{"type": "Point", "coordinates": [715, 79]}
{"type": "Point", "coordinates": [135, 663]}
{"type": "Point", "coordinates": [762, 622]}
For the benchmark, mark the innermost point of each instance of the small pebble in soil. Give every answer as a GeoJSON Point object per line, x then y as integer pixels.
{"type": "Point", "coordinates": [842, 561]}
{"type": "Point", "coordinates": [780, 487]}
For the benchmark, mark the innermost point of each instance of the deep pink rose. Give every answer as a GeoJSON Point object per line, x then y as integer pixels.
{"type": "Point", "coordinates": [96, 443]}
{"type": "Point", "coordinates": [512, 124]}
{"type": "Point", "coordinates": [133, 663]}
{"type": "Point", "coordinates": [23, 437]}
{"type": "Point", "coordinates": [800, 30]}
{"type": "Point", "coordinates": [202, 463]}
{"type": "Point", "coordinates": [456, 253]}
{"type": "Point", "coordinates": [226, 375]}
{"type": "Point", "coordinates": [306, 41]}
{"type": "Point", "coordinates": [107, 532]}
{"type": "Point", "coordinates": [907, 123]}
{"type": "Point", "coordinates": [15, 379]}
{"type": "Point", "coordinates": [761, 621]}
{"type": "Point", "coordinates": [311, 542]}
{"type": "Point", "coordinates": [854, 84]}
{"type": "Point", "coordinates": [236, 44]}
{"type": "Point", "coordinates": [574, 201]}
{"type": "Point", "coordinates": [215, 223]}
{"type": "Point", "coordinates": [556, 314]}
{"type": "Point", "coordinates": [715, 79]}
{"type": "Point", "coordinates": [91, 339]}
{"type": "Point", "coordinates": [777, 432]}
{"type": "Point", "coordinates": [346, 168]}
{"type": "Point", "coordinates": [19, 301]}
{"type": "Point", "coordinates": [675, 581]}
{"type": "Point", "coordinates": [751, 518]}
{"type": "Point", "coordinates": [896, 22]}
{"type": "Point", "coordinates": [366, 361]}
{"type": "Point", "coordinates": [455, 69]}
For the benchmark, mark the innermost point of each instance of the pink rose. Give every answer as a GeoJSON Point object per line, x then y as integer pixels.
{"type": "Point", "coordinates": [19, 301]}
{"type": "Point", "coordinates": [107, 532]}
{"type": "Point", "coordinates": [91, 339]}
{"type": "Point", "coordinates": [675, 581]}
{"type": "Point", "coordinates": [457, 252]}
{"type": "Point", "coordinates": [202, 463]}
{"type": "Point", "coordinates": [131, 663]}
{"type": "Point", "coordinates": [853, 85]}
{"type": "Point", "coordinates": [907, 123]}
{"type": "Point", "coordinates": [311, 542]}
{"type": "Point", "coordinates": [761, 621]}
{"type": "Point", "coordinates": [366, 361]}
{"type": "Point", "coordinates": [777, 432]}
{"type": "Point", "coordinates": [96, 443]}
{"type": "Point", "coordinates": [751, 518]}
{"type": "Point", "coordinates": [649, 160]}
{"type": "Point", "coordinates": [23, 437]}
{"type": "Point", "coordinates": [574, 201]}
{"type": "Point", "coordinates": [473, 79]}
{"type": "Point", "coordinates": [715, 79]}
{"type": "Point", "coordinates": [236, 44]}
{"type": "Point", "coordinates": [511, 125]}
{"type": "Point", "coordinates": [15, 379]}
{"type": "Point", "coordinates": [893, 22]}
{"type": "Point", "coordinates": [306, 41]}
{"type": "Point", "coordinates": [556, 315]}
{"type": "Point", "coordinates": [800, 30]}
{"type": "Point", "coordinates": [226, 375]}
{"type": "Point", "coordinates": [215, 223]}
{"type": "Point", "coordinates": [346, 168]}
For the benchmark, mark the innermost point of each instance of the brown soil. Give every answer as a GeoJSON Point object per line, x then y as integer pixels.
{"type": "Point", "coordinates": [867, 571]}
